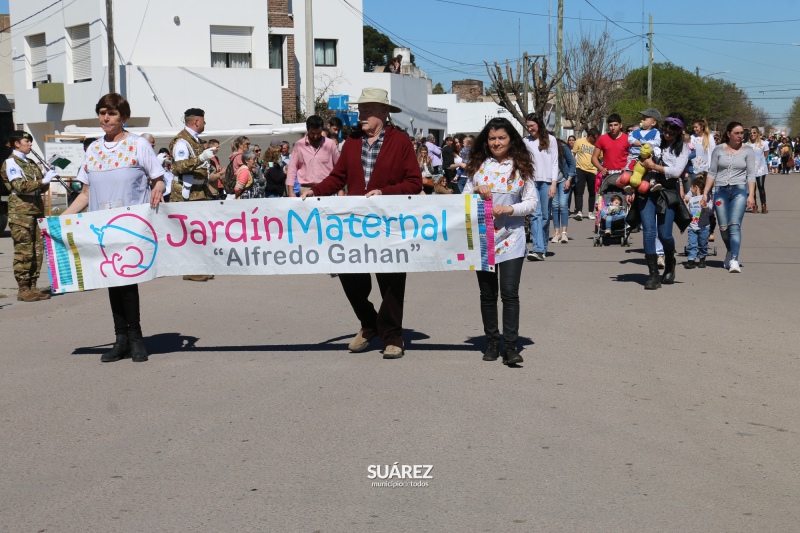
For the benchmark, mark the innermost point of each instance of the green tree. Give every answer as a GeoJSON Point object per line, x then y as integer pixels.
{"type": "Point", "coordinates": [794, 118]}
{"type": "Point", "coordinates": [378, 49]}
{"type": "Point", "coordinates": [677, 89]}
{"type": "Point", "coordinates": [438, 89]}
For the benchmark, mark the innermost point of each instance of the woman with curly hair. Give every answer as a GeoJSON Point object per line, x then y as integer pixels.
{"type": "Point", "coordinates": [500, 169]}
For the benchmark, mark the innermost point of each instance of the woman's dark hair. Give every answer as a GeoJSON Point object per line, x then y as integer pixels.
{"type": "Point", "coordinates": [544, 137]}
{"type": "Point", "coordinates": [517, 150]}
{"type": "Point", "coordinates": [728, 129]}
{"type": "Point", "coordinates": [677, 143]}
{"type": "Point", "coordinates": [114, 102]}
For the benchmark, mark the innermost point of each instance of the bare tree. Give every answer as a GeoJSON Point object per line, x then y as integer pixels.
{"type": "Point", "coordinates": [594, 69]}
{"type": "Point", "coordinates": [507, 87]}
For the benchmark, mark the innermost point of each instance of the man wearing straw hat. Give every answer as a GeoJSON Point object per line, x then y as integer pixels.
{"type": "Point", "coordinates": [376, 159]}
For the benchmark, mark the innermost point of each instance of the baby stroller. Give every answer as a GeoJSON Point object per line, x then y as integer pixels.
{"type": "Point", "coordinates": [620, 232]}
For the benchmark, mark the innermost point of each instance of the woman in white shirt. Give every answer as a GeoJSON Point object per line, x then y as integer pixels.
{"type": "Point", "coordinates": [544, 153]}
{"type": "Point", "coordinates": [500, 169]}
{"type": "Point", "coordinates": [761, 149]}
{"type": "Point", "coordinates": [120, 170]}
{"type": "Point", "coordinates": [704, 144]}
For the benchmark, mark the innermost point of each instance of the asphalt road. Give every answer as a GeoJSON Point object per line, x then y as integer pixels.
{"type": "Point", "coordinates": [669, 410]}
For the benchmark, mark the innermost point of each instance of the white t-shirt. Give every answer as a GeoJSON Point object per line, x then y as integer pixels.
{"type": "Point", "coordinates": [118, 173]}
{"type": "Point", "coordinates": [702, 159]}
{"type": "Point", "coordinates": [545, 163]}
{"type": "Point", "coordinates": [761, 148]}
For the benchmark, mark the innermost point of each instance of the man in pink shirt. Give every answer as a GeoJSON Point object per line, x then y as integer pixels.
{"type": "Point", "coordinates": [313, 158]}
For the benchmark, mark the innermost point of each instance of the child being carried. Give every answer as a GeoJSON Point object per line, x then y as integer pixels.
{"type": "Point", "coordinates": [646, 136]}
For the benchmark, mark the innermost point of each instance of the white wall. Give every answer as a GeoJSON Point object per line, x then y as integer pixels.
{"type": "Point", "coordinates": [6, 66]}
{"type": "Point", "coordinates": [469, 117]}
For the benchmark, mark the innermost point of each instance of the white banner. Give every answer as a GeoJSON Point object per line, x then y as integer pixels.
{"type": "Point", "coordinates": [329, 235]}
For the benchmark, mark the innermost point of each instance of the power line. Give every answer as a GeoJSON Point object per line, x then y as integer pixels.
{"type": "Point", "coordinates": [30, 17]}
{"type": "Point", "coordinates": [638, 22]}
{"type": "Point", "coordinates": [611, 21]}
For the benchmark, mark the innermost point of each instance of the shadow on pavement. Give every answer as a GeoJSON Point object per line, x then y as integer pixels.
{"type": "Point", "coordinates": [165, 343]}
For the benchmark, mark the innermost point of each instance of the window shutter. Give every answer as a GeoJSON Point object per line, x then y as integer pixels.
{"type": "Point", "coordinates": [81, 53]}
{"type": "Point", "coordinates": [38, 45]}
{"type": "Point", "coordinates": [231, 39]}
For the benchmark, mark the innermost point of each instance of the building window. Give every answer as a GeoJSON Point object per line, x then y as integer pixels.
{"type": "Point", "coordinates": [325, 52]}
{"type": "Point", "coordinates": [38, 58]}
{"type": "Point", "coordinates": [276, 55]}
{"type": "Point", "coordinates": [81, 53]}
{"type": "Point", "coordinates": [231, 46]}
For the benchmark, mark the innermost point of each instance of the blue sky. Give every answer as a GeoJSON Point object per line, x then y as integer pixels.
{"type": "Point", "coordinates": [451, 39]}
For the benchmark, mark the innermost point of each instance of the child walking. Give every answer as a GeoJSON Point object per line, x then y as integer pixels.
{"type": "Point", "coordinates": [700, 226]}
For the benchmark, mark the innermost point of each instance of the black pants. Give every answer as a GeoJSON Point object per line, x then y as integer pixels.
{"type": "Point", "coordinates": [125, 308]}
{"type": "Point", "coordinates": [760, 185]}
{"type": "Point", "coordinates": [585, 179]}
{"type": "Point", "coordinates": [508, 274]}
{"type": "Point", "coordinates": [387, 322]}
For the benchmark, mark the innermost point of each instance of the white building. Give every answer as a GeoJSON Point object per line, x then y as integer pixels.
{"type": "Point", "coordinates": [242, 62]}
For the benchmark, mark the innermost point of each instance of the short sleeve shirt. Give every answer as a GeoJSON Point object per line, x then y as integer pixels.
{"type": "Point", "coordinates": [615, 151]}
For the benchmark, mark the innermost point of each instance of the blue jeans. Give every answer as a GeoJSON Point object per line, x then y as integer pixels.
{"type": "Point", "coordinates": [461, 182]}
{"type": "Point", "coordinates": [540, 219]}
{"type": "Point", "coordinates": [561, 207]}
{"type": "Point", "coordinates": [730, 202]}
{"type": "Point", "coordinates": [611, 218]}
{"type": "Point", "coordinates": [655, 225]}
{"type": "Point", "coordinates": [698, 243]}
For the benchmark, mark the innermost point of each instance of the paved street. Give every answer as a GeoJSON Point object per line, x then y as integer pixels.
{"type": "Point", "coordinates": [669, 410]}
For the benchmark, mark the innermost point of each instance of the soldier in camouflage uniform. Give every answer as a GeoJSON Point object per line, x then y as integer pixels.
{"type": "Point", "coordinates": [25, 182]}
{"type": "Point", "coordinates": [190, 165]}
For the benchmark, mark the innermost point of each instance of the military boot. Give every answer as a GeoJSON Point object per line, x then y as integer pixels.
{"type": "Point", "coordinates": [44, 293]}
{"type": "Point", "coordinates": [24, 294]}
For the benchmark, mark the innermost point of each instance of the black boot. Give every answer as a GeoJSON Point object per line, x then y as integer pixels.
{"type": "Point", "coordinates": [492, 352]}
{"type": "Point", "coordinates": [668, 278]}
{"type": "Point", "coordinates": [702, 263]}
{"type": "Point", "coordinates": [511, 356]}
{"type": "Point", "coordinates": [653, 282]}
{"type": "Point", "coordinates": [138, 350]}
{"type": "Point", "coordinates": [120, 350]}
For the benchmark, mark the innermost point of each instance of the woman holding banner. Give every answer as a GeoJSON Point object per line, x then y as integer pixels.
{"type": "Point", "coordinates": [501, 170]}
{"type": "Point", "coordinates": [121, 169]}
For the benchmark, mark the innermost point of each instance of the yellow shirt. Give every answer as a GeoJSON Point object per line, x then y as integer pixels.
{"type": "Point", "coordinates": [583, 151]}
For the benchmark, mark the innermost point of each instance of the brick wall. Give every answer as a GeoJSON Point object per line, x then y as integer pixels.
{"type": "Point", "coordinates": [5, 22]}
{"type": "Point", "coordinates": [468, 90]}
{"type": "Point", "coordinates": [278, 17]}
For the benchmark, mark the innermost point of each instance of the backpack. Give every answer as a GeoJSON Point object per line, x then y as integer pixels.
{"type": "Point", "coordinates": [229, 179]}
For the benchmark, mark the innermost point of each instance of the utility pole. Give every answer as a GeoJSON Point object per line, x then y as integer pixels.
{"type": "Point", "coordinates": [650, 63]}
{"type": "Point", "coordinates": [697, 71]}
{"type": "Point", "coordinates": [310, 108]}
{"type": "Point", "coordinates": [112, 75]}
{"type": "Point", "coordinates": [559, 63]}
{"type": "Point", "coordinates": [525, 79]}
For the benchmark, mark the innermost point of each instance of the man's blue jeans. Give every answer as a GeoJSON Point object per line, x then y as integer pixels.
{"type": "Point", "coordinates": [540, 219]}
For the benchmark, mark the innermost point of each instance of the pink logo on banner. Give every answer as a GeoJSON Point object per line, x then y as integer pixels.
{"type": "Point", "coordinates": [129, 245]}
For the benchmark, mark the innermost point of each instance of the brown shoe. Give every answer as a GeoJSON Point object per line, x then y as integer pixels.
{"type": "Point", "coordinates": [44, 293]}
{"type": "Point", "coordinates": [393, 352]}
{"type": "Point", "coordinates": [755, 208]}
{"type": "Point", "coordinates": [196, 278]}
{"type": "Point", "coordinates": [361, 341]}
{"type": "Point", "coordinates": [764, 209]}
{"type": "Point", "coordinates": [24, 294]}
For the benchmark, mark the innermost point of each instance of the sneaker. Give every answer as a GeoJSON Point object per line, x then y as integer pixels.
{"type": "Point", "coordinates": [661, 263]}
{"type": "Point", "coordinates": [608, 232]}
{"type": "Point", "coordinates": [556, 238]}
{"type": "Point", "coordinates": [702, 263]}
{"type": "Point", "coordinates": [535, 256]}
{"type": "Point", "coordinates": [734, 267]}
{"type": "Point", "coordinates": [727, 262]}
{"type": "Point", "coordinates": [655, 186]}
{"type": "Point", "coordinates": [564, 238]}
{"type": "Point", "coordinates": [578, 216]}
{"type": "Point", "coordinates": [690, 264]}
{"type": "Point", "coordinates": [591, 216]}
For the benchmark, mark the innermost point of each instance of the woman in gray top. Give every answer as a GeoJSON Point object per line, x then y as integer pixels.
{"type": "Point", "coordinates": [120, 169]}
{"type": "Point", "coordinates": [732, 174]}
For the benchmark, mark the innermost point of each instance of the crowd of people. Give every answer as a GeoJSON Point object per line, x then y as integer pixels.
{"type": "Point", "coordinates": [664, 176]}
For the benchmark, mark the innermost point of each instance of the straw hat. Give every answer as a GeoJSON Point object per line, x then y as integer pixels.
{"type": "Point", "coordinates": [373, 95]}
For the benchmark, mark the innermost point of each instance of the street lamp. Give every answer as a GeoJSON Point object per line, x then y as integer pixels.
{"type": "Point", "coordinates": [720, 72]}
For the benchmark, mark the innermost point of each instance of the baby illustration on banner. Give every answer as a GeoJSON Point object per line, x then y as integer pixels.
{"type": "Point", "coordinates": [129, 245]}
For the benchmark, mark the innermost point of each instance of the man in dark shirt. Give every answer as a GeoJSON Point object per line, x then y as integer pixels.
{"type": "Point", "coordinates": [448, 159]}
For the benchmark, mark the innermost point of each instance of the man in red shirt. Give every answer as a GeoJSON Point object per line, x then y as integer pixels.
{"type": "Point", "coordinates": [375, 160]}
{"type": "Point", "coordinates": [612, 147]}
